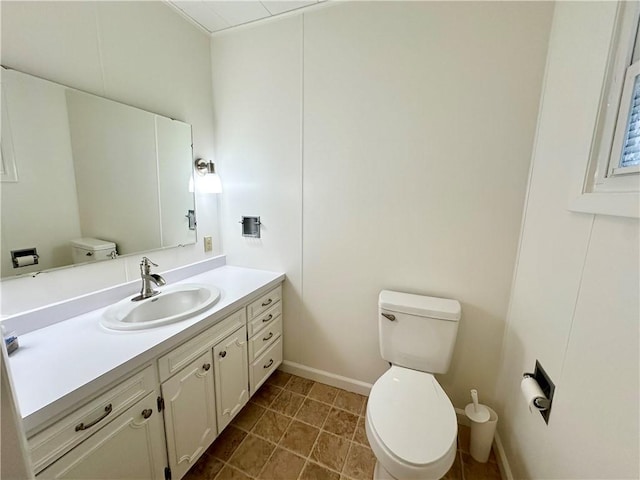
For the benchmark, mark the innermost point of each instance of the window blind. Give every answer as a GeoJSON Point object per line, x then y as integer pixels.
{"type": "Point", "coordinates": [631, 146]}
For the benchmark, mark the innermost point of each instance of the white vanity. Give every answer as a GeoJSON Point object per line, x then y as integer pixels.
{"type": "Point", "coordinates": [145, 404]}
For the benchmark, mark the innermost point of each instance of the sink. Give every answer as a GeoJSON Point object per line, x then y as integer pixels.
{"type": "Point", "coordinates": [173, 304]}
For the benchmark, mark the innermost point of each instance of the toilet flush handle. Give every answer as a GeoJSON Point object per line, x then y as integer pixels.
{"type": "Point", "coordinates": [388, 316]}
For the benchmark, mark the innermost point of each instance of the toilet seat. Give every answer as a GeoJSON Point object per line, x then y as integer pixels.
{"type": "Point", "coordinates": [411, 424]}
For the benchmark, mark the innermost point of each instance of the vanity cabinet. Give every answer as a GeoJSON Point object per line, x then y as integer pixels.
{"type": "Point", "coordinates": [159, 421]}
{"type": "Point", "coordinates": [131, 446]}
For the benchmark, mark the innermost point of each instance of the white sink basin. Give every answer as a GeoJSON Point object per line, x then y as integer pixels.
{"type": "Point", "coordinates": [174, 303]}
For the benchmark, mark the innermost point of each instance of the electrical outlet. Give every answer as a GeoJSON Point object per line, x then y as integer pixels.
{"type": "Point", "coordinates": [208, 244]}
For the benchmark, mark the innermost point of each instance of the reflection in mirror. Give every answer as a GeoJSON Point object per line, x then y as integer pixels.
{"type": "Point", "coordinates": [86, 179]}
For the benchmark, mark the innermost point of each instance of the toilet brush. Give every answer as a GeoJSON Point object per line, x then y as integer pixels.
{"type": "Point", "coordinates": [476, 412]}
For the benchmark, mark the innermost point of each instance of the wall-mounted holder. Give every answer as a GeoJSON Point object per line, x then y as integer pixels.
{"type": "Point", "coordinates": [251, 227]}
{"type": "Point", "coordinates": [543, 405]}
{"type": "Point", "coordinates": [191, 215]}
{"type": "Point", "coordinates": [24, 257]}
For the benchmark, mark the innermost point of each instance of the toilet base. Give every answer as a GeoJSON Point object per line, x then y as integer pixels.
{"type": "Point", "coordinates": [380, 473]}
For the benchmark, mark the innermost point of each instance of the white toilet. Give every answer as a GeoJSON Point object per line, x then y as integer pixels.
{"type": "Point", "coordinates": [411, 424]}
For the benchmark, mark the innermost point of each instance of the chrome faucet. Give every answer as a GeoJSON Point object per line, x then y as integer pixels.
{"type": "Point", "coordinates": [148, 277]}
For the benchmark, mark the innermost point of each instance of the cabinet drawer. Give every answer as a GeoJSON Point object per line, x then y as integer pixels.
{"type": "Point", "coordinates": [259, 344]}
{"type": "Point", "coordinates": [265, 365]}
{"type": "Point", "coordinates": [265, 302]}
{"type": "Point", "coordinates": [48, 445]}
{"type": "Point", "coordinates": [182, 356]}
{"type": "Point", "coordinates": [264, 320]}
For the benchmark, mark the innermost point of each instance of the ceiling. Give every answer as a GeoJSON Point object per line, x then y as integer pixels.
{"type": "Point", "coordinates": [216, 15]}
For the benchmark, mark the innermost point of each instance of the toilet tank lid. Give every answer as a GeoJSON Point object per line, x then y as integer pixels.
{"type": "Point", "coordinates": [89, 243]}
{"type": "Point", "coordinates": [421, 305]}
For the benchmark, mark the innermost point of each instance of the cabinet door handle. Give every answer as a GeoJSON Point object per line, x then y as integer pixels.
{"type": "Point", "coordinates": [268, 302]}
{"type": "Point", "coordinates": [267, 337]}
{"type": "Point", "coordinates": [207, 366]}
{"type": "Point", "coordinates": [267, 319]}
{"type": "Point", "coordinates": [268, 364]}
{"type": "Point", "coordinates": [223, 353]}
{"type": "Point", "coordinates": [146, 413]}
{"type": "Point", "coordinates": [82, 426]}
{"type": "Point", "coordinates": [388, 316]}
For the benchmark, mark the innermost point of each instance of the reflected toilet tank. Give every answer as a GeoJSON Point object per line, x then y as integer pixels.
{"type": "Point", "coordinates": [89, 249]}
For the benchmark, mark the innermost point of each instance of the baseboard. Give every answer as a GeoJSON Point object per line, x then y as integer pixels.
{"type": "Point", "coordinates": [503, 463]}
{"type": "Point", "coordinates": [325, 377]}
{"type": "Point", "coordinates": [501, 456]}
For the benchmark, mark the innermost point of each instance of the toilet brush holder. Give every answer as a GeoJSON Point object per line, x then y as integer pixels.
{"type": "Point", "coordinates": [481, 438]}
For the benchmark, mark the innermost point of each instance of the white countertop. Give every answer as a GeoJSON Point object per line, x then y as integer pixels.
{"type": "Point", "coordinates": [64, 363]}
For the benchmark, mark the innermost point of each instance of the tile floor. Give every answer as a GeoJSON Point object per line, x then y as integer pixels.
{"type": "Point", "coordinates": [297, 429]}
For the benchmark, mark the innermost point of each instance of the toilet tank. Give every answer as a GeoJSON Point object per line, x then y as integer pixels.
{"type": "Point", "coordinates": [89, 249]}
{"type": "Point", "coordinates": [417, 331]}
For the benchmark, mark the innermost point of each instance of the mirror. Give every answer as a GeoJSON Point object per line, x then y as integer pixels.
{"type": "Point", "coordinates": [84, 178]}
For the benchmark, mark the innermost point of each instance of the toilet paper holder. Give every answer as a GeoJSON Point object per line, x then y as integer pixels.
{"type": "Point", "coordinates": [25, 252]}
{"type": "Point", "coordinates": [547, 387]}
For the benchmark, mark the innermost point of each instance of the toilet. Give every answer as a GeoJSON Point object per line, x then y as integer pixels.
{"type": "Point", "coordinates": [410, 422]}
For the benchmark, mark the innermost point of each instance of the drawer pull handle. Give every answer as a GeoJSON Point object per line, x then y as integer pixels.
{"type": "Point", "coordinates": [268, 302]}
{"type": "Point", "coordinates": [388, 316]}
{"type": "Point", "coordinates": [268, 364]}
{"type": "Point", "coordinates": [223, 353]}
{"type": "Point", "coordinates": [266, 319]}
{"type": "Point", "coordinates": [207, 366]}
{"type": "Point", "coordinates": [268, 337]}
{"type": "Point", "coordinates": [146, 413]}
{"type": "Point", "coordinates": [107, 410]}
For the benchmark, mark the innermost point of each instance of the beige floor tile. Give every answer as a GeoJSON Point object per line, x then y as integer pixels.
{"type": "Point", "coordinates": [361, 433]}
{"type": "Point", "coordinates": [266, 394]}
{"type": "Point", "coordinates": [360, 463]}
{"type": "Point", "coordinates": [282, 465]}
{"type": "Point", "coordinates": [323, 393]}
{"type": "Point", "coordinates": [226, 443]}
{"type": "Point", "coordinates": [230, 473]}
{"type": "Point", "coordinates": [341, 423]}
{"type": "Point", "coordinates": [278, 378]}
{"type": "Point", "coordinates": [313, 471]}
{"type": "Point", "coordinates": [352, 402]}
{"type": "Point", "coordinates": [248, 416]}
{"type": "Point", "coordinates": [313, 412]}
{"type": "Point", "coordinates": [473, 470]}
{"type": "Point", "coordinates": [299, 385]}
{"type": "Point", "coordinates": [287, 403]}
{"type": "Point", "coordinates": [300, 437]}
{"type": "Point", "coordinates": [330, 450]}
{"type": "Point", "coordinates": [271, 426]}
{"type": "Point", "coordinates": [252, 455]}
{"type": "Point", "coordinates": [206, 468]}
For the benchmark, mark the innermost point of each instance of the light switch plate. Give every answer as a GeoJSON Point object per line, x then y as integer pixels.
{"type": "Point", "coordinates": [208, 244]}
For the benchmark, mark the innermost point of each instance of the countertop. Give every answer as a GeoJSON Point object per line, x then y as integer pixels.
{"type": "Point", "coordinates": [62, 364]}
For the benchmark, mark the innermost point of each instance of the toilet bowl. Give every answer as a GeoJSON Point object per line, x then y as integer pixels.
{"type": "Point", "coordinates": [411, 426]}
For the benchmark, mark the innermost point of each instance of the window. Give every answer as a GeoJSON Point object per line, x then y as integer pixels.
{"type": "Point", "coordinates": [612, 181]}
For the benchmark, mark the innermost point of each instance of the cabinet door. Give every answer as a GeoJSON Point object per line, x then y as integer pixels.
{"type": "Point", "coordinates": [232, 382]}
{"type": "Point", "coordinates": [189, 415]}
{"type": "Point", "coordinates": [130, 447]}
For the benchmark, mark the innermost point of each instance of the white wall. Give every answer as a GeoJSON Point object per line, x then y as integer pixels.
{"type": "Point", "coordinates": [139, 53]}
{"type": "Point", "coordinates": [574, 303]}
{"type": "Point", "coordinates": [417, 121]}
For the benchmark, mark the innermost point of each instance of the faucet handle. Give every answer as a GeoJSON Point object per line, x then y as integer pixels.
{"type": "Point", "coordinates": [147, 261]}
